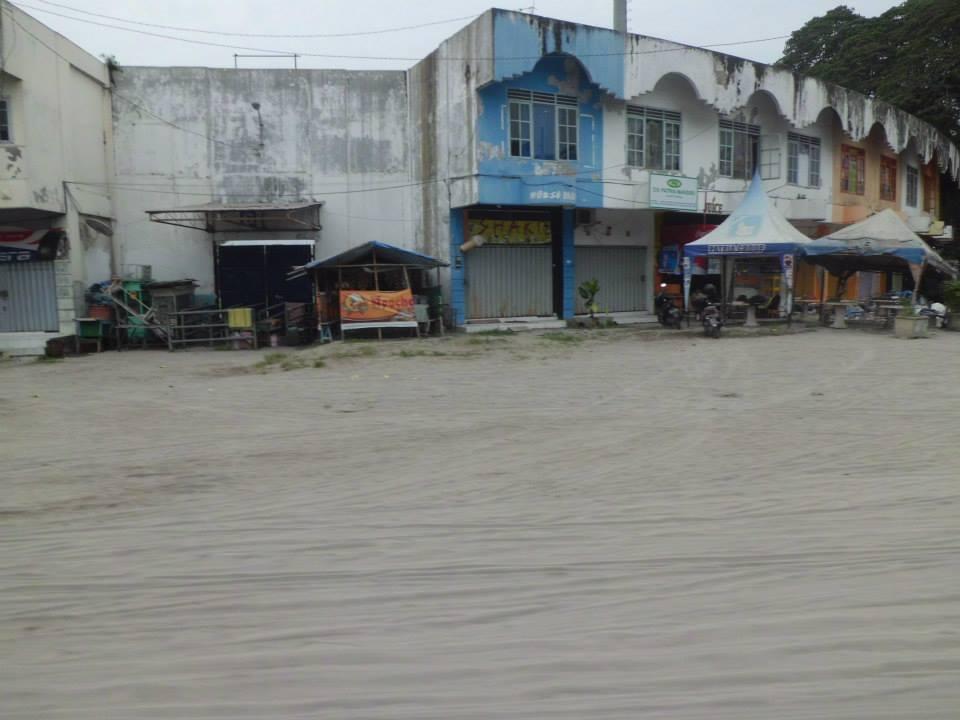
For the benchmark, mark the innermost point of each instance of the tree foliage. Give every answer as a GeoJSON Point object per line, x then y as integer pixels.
{"type": "Point", "coordinates": [908, 56]}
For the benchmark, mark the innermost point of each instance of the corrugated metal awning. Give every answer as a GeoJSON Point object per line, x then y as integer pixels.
{"type": "Point", "coordinates": [243, 217]}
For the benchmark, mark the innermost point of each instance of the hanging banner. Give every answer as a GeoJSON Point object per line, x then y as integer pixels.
{"type": "Point", "coordinates": [686, 283]}
{"type": "Point", "coordinates": [376, 306]}
{"type": "Point", "coordinates": [24, 245]}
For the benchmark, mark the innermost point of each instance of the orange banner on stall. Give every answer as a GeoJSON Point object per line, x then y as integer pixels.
{"type": "Point", "coordinates": [376, 306]}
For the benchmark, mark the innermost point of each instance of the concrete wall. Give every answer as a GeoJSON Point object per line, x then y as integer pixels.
{"type": "Point", "coordinates": [60, 119]}
{"type": "Point", "coordinates": [529, 181]}
{"type": "Point", "coordinates": [190, 136]}
{"type": "Point", "coordinates": [58, 163]}
{"type": "Point", "coordinates": [623, 228]}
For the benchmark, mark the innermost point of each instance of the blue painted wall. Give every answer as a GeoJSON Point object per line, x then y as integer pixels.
{"type": "Point", "coordinates": [458, 298]}
{"type": "Point", "coordinates": [569, 263]}
{"type": "Point", "coordinates": [506, 180]}
{"type": "Point", "coordinates": [520, 39]}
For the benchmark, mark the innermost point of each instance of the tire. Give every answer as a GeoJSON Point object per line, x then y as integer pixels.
{"type": "Point", "coordinates": [715, 332]}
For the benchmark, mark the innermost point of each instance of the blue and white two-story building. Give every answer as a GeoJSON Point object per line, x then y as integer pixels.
{"type": "Point", "coordinates": [549, 153]}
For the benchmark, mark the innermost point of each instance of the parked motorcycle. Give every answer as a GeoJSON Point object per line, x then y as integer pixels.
{"type": "Point", "coordinates": [712, 320]}
{"type": "Point", "coordinates": [668, 314]}
{"type": "Point", "coordinates": [939, 313]}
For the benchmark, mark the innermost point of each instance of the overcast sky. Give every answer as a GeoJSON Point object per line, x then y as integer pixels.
{"type": "Point", "coordinates": [696, 22]}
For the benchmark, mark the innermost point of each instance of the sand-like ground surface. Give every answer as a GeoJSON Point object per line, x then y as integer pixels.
{"type": "Point", "coordinates": [486, 527]}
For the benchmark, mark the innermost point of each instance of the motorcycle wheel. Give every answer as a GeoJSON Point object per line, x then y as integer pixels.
{"type": "Point", "coordinates": [715, 332]}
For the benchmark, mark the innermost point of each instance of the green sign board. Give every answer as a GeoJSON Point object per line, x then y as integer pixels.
{"type": "Point", "coordinates": [673, 192]}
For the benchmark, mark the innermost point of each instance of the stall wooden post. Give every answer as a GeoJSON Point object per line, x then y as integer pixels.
{"type": "Point", "coordinates": [376, 286]}
{"type": "Point", "coordinates": [406, 280]}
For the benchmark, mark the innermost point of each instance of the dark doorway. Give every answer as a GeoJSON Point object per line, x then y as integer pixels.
{"type": "Point", "coordinates": [256, 275]}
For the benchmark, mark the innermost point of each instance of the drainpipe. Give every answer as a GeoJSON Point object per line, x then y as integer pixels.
{"type": "Point", "coordinates": [620, 16]}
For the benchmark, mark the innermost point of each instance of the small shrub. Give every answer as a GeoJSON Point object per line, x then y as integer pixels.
{"type": "Point", "coordinates": [951, 295]}
{"type": "Point", "coordinates": [489, 340]}
{"type": "Point", "coordinates": [588, 290]}
{"type": "Point", "coordinates": [561, 337]}
{"type": "Point", "coordinates": [319, 363]}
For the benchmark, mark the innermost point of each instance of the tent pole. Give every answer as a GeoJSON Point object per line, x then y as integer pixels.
{"type": "Point", "coordinates": [723, 288]}
{"type": "Point", "coordinates": [916, 282]}
{"type": "Point", "coordinates": [823, 292]}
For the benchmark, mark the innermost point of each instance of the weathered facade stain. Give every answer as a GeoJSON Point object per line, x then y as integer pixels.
{"type": "Point", "coordinates": [438, 131]}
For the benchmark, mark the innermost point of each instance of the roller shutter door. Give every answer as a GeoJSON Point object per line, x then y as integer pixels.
{"type": "Point", "coordinates": [510, 281]}
{"type": "Point", "coordinates": [621, 272]}
{"type": "Point", "coordinates": [28, 297]}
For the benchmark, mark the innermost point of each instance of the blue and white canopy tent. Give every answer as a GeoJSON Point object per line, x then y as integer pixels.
{"type": "Point", "coordinates": [755, 229]}
{"type": "Point", "coordinates": [881, 243]}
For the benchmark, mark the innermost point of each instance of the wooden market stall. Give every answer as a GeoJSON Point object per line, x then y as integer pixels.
{"type": "Point", "coordinates": [377, 287]}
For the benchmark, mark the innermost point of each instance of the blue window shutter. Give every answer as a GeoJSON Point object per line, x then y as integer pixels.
{"type": "Point", "coordinates": [544, 132]}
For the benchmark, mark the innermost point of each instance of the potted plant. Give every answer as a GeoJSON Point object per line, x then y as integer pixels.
{"type": "Point", "coordinates": [589, 290]}
{"type": "Point", "coordinates": [908, 323]}
{"type": "Point", "coordinates": [951, 298]}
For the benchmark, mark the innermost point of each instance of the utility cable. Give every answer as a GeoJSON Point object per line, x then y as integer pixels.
{"type": "Point", "coordinates": [382, 31]}
{"type": "Point", "coordinates": [384, 57]}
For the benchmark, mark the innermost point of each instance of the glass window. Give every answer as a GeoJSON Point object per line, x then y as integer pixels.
{"type": "Point", "coordinates": [888, 179]}
{"type": "Point", "coordinates": [544, 131]}
{"type": "Point", "coordinates": [653, 138]}
{"type": "Point", "coordinates": [520, 128]}
{"type": "Point", "coordinates": [913, 186]}
{"type": "Point", "coordinates": [567, 133]}
{"type": "Point", "coordinates": [803, 160]}
{"type": "Point", "coordinates": [739, 149]}
{"type": "Point", "coordinates": [5, 134]}
{"type": "Point", "coordinates": [852, 169]}
{"type": "Point", "coordinates": [543, 125]}
{"type": "Point", "coordinates": [635, 141]}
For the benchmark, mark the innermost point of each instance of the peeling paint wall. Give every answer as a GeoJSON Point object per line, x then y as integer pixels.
{"type": "Point", "coordinates": [727, 83]}
{"type": "Point", "coordinates": [58, 162]}
{"type": "Point", "coordinates": [59, 113]}
{"type": "Point", "coordinates": [517, 180]}
{"type": "Point", "coordinates": [331, 135]}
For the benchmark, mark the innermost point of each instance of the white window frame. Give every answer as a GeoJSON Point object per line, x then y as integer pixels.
{"type": "Point", "coordinates": [748, 134]}
{"type": "Point", "coordinates": [567, 108]}
{"type": "Point", "coordinates": [770, 157]}
{"type": "Point", "coordinates": [798, 145]}
{"type": "Point", "coordinates": [671, 146]}
{"type": "Point", "coordinates": [912, 173]}
{"type": "Point", "coordinates": [521, 105]}
{"type": "Point", "coordinates": [5, 101]}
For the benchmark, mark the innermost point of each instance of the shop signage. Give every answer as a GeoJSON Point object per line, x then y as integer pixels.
{"type": "Point", "coordinates": [737, 249]}
{"type": "Point", "coordinates": [376, 306]}
{"type": "Point", "coordinates": [673, 192]}
{"type": "Point", "coordinates": [20, 244]}
{"type": "Point", "coordinates": [510, 232]}
{"type": "Point", "coordinates": [556, 197]}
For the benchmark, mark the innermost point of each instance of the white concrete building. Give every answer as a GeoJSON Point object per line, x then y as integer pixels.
{"type": "Point", "coordinates": [56, 214]}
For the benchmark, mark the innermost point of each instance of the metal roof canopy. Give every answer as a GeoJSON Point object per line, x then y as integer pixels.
{"type": "Point", "coordinates": [376, 253]}
{"type": "Point", "coordinates": [243, 217]}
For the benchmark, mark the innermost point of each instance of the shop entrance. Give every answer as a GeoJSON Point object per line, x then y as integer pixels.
{"type": "Point", "coordinates": [621, 272]}
{"type": "Point", "coordinates": [252, 274]}
{"type": "Point", "coordinates": [28, 297]}
{"type": "Point", "coordinates": [510, 271]}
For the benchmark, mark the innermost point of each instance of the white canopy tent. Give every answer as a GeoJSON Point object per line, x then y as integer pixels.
{"type": "Point", "coordinates": [755, 229]}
